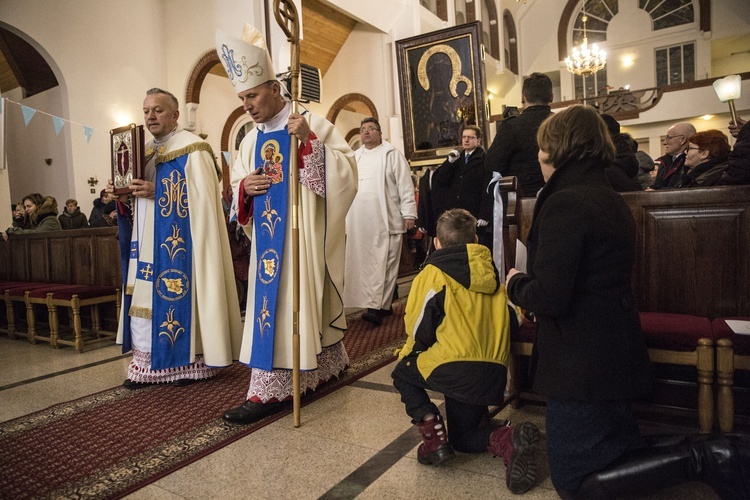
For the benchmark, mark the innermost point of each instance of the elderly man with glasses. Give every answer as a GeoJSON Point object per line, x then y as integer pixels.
{"type": "Point", "coordinates": [672, 164]}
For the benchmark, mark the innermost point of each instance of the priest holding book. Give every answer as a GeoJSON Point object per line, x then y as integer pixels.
{"type": "Point", "coordinates": [180, 313]}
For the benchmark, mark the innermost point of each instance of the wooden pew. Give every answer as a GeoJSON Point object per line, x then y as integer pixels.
{"type": "Point", "coordinates": [87, 258]}
{"type": "Point", "coordinates": [692, 265]}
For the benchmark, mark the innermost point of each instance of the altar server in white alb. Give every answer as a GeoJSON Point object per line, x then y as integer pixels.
{"type": "Point", "coordinates": [260, 178]}
{"type": "Point", "coordinates": [384, 209]}
{"type": "Point", "coordinates": [180, 313]}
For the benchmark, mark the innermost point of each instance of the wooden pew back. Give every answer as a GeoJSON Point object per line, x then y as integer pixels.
{"type": "Point", "coordinates": [692, 249]}
{"type": "Point", "coordinates": [78, 256]}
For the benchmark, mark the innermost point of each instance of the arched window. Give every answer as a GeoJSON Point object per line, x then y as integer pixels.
{"type": "Point", "coordinates": [599, 13]}
{"type": "Point", "coordinates": [461, 12]}
{"type": "Point", "coordinates": [465, 11]}
{"type": "Point", "coordinates": [490, 37]}
{"type": "Point", "coordinates": [668, 13]}
{"type": "Point", "coordinates": [437, 7]}
{"type": "Point", "coordinates": [510, 42]}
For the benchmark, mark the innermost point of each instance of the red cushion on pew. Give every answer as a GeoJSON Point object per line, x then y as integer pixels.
{"type": "Point", "coordinates": [740, 342]}
{"type": "Point", "coordinates": [83, 292]}
{"type": "Point", "coordinates": [4, 285]}
{"type": "Point", "coordinates": [19, 291]}
{"type": "Point", "coordinates": [41, 292]}
{"type": "Point", "coordinates": [674, 332]}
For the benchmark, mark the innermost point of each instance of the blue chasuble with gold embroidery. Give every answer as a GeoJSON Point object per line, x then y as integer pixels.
{"type": "Point", "coordinates": [269, 219]}
{"type": "Point", "coordinates": [172, 268]}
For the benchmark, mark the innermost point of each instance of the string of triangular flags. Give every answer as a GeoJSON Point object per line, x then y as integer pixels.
{"type": "Point", "coordinates": [28, 114]}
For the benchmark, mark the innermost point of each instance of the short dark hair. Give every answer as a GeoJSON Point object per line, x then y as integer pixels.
{"type": "Point", "coordinates": [576, 133]}
{"type": "Point", "coordinates": [456, 227]}
{"type": "Point", "coordinates": [476, 129]}
{"type": "Point", "coordinates": [371, 119]}
{"type": "Point", "coordinates": [537, 88]}
{"type": "Point", "coordinates": [612, 124]}
{"type": "Point", "coordinates": [171, 96]}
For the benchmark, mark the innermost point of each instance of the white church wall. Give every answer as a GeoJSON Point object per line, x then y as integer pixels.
{"type": "Point", "coordinates": [362, 66]}
{"type": "Point", "coordinates": [729, 17]}
{"type": "Point", "coordinates": [107, 53]}
{"type": "Point", "coordinates": [189, 37]}
{"type": "Point", "coordinates": [29, 147]}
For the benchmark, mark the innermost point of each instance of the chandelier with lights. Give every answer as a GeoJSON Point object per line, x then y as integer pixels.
{"type": "Point", "coordinates": [584, 60]}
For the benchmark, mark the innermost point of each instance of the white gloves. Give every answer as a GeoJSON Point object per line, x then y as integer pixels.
{"type": "Point", "coordinates": [481, 223]}
{"type": "Point", "coordinates": [453, 156]}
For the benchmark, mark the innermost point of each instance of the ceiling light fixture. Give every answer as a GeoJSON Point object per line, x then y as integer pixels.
{"type": "Point", "coordinates": [584, 60]}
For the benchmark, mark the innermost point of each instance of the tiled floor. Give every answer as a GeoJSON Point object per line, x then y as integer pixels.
{"type": "Point", "coordinates": [356, 441]}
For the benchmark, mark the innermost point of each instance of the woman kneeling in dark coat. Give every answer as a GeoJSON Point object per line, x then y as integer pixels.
{"type": "Point", "coordinates": [589, 355]}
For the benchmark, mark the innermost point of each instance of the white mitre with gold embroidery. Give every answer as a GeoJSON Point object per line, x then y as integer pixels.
{"type": "Point", "coordinates": [247, 61]}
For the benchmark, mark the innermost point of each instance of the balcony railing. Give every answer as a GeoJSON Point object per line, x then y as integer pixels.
{"type": "Point", "coordinates": [628, 104]}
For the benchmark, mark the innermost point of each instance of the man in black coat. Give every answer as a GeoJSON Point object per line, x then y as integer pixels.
{"type": "Point", "coordinates": [514, 151]}
{"type": "Point", "coordinates": [460, 180]}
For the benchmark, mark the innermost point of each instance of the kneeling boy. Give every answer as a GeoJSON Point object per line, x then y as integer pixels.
{"type": "Point", "coordinates": [458, 324]}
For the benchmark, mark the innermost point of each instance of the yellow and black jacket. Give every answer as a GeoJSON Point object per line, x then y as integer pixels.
{"type": "Point", "coordinates": [458, 325]}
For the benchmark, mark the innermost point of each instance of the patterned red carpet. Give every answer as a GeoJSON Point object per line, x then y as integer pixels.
{"type": "Point", "coordinates": [111, 443]}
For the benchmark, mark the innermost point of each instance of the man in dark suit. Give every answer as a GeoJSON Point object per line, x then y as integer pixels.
{"type": "Point", "coordinates": [462, 178]}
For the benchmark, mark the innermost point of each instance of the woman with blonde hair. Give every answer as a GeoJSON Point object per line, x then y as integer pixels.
{"type": "Point", "coordinates": [589, 356]}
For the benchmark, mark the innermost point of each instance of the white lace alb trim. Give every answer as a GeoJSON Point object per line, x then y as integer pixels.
{"type": "Point", "coordinates": [277, 383]}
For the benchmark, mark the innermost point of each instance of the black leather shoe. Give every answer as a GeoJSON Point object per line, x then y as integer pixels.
{"type": "Point", "coordinates": [373, 316]}
{"type": "Point", "coordinates": [386, 312]}
{"type": "Point", "coordinates": [252, 412]}
{"type": "Point", "coordinates": [184, 382]}
{"type": "Point", "coordinates": [129, 384]}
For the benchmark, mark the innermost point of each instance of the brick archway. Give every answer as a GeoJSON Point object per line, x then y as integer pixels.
{"type": "Point", "coordinates": [193, 96]}
{"type": "Point", "coordinates": [198, 75]}
{"type": "Point", "coordinates": [342, 101]}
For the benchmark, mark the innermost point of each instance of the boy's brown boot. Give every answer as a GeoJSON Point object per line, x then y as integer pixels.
{"type": "Point", "coordinates": [434, 449]}
{"type": "Point", "coordinates": [518, 448]}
